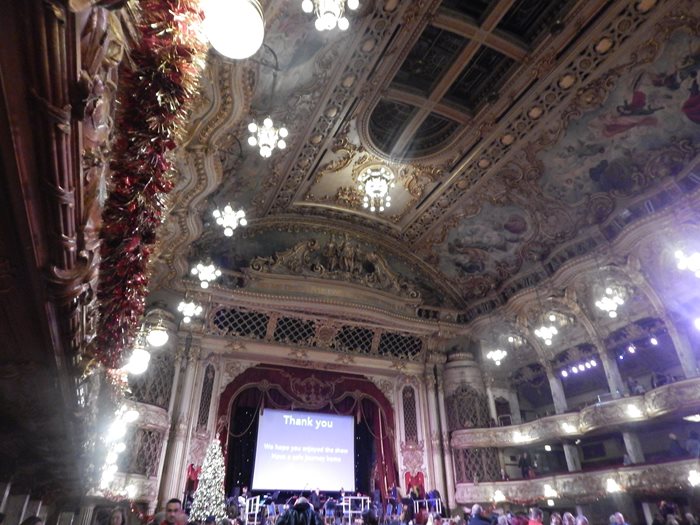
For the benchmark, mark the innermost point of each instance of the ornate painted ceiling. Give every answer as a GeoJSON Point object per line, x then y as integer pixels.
{"type": "Point", "coordinates": [522, 134]}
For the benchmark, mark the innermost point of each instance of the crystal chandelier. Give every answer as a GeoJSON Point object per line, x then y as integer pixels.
{"type": "Point", "coordinates": [330, 13]}
{"type": "Point", "coordinates": [614, 297]}
{"type": "Point", "coordinates": [548, 329]}
{"type": "Point", "coordinates": [267, 137]}
{"type": "Point", "coordinates": [497, 356]}
{"type": "Point", "coordinates": [229, 219]}
{"type": "Point", "coordinates": [235, 28]}
{"type": "Point", "coordinates": [206, 273]}
{"type": "Point", "coordinates": [375, 182]}
{"type": "Point", "coordinates": [189, 309]}
{"type": "Point", "coordinates": [689, 262]}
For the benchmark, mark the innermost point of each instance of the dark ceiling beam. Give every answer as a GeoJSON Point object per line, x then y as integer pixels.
{"type": "Point", "coordinates": [448, 78]}
{"type": "Point", "coordinates": [399, 95]}
{"type": "Point", "coordinates": [453, 22]}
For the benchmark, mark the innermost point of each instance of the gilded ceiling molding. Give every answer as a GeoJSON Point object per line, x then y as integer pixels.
{"type": "Point", "coordinates": [218, 111]}
{"type": "Point", "coordinates": [549, 96]}
{"type": "Point", "coordinates": [368, 42]}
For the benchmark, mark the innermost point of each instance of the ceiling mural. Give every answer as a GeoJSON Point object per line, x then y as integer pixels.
{"type": "Point", "coordinates": [520, 135]}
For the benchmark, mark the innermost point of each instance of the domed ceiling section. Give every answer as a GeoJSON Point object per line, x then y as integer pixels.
{"type": "Point", "coordinates": [520, 135]}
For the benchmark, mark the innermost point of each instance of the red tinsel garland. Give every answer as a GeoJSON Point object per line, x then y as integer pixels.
{"type": "Point", "coordinates": [154, 94]}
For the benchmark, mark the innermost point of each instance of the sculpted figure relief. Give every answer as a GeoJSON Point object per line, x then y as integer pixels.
{"type": "Point", "coordinates": [338, 260]}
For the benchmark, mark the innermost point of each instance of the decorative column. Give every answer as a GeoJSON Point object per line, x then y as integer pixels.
{"type": "Point", "coordinates": [493, 413]}
{"type": "Point", "coordinates": [33, 508]}
{"type": "Point", "coordinates": [434, 426]}
{"type": "Point", "coordinates": [612, 372]}
{"type": "Point", "coordinates": [573, 459]}
{"type": "Point", "coordinates": [448, 497]}
{"type": "Point", "coordinates": [173, 479]}
{"type": "Point", "coordinates": [4, 495]}
{"type": "Point", "coordinates": [681, 343]}
{"type": "Point", "coordinates": [633, 447]}
{"type": "Point", "coordinates": [555, 385]}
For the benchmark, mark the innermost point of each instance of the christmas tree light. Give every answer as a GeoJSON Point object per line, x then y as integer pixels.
{"type": "Point", "coordinates": [209, 496]}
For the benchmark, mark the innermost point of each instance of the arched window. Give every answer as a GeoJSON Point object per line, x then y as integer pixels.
{"type": "Point", "coordinates": [154, 386]}
{"type": "Point", "coordinates": [205, 400]}
{"type": "Point", "coordinates": [467, 408]}
{"type": "Point", "coordinates": [410, 419]}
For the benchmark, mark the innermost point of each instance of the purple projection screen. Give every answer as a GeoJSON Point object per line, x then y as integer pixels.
{"type": "Point", "coordinates": [304, 451]}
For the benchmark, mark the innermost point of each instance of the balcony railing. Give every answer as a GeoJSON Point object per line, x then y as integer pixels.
{"type": "Point", "coordinates": [675, 397]}
{"type": "Point", "coordinates": [582, 487]}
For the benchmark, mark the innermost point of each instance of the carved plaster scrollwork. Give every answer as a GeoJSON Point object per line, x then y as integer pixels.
{"type": "Point", "coordinates": [412, 456]}
{"type": "Point", "coordinates": [387, 387]}
{"type": "Point", "coordinates": [338, 259]}
{"type": "Point", "coordinates": [233, 369]}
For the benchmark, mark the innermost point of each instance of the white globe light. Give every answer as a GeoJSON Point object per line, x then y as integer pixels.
{"type": "Point", "coordinates": [235, 28]}
{"type": "Point", "coordinates": [343, 24]}
{"type": "Point", "coordinates": [267, 122]}
{"type": "Point", "coordinates": [244, 221]}
{"type": "Point", "coordinates": [157, 336]}
{"type": "Point", "coordinates": [228, 232]}
{"type": "Point", "coordinates": [283, 132]}
{"type": "Point", "coordinates": [307, 6]}
{"type": "Point", "coordinates": [353, 4]}
{"type": "Point", "coordinates": [252, 127]}
{"type": "Point", "coordinates": [130, 416]}
{"type": "Point", "coordinates": [252, 141]}
{"type": "Point", "coordinates": [319, 24]}
{"type": "Point", "coordinates": [281, 144]}
{"type": "Point", "coordinates": [138, 362]}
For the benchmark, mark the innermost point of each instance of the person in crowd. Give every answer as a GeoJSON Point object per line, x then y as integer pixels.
{"type": "Point", "coordinates": [173, 512]}
{"type": "Point", "coordinates": [525, 464]}
{"type": "Point", "coordinates": [675, 449]}
{"type": "Point", "coordinates": [619, 519]}
{"type": "Point", "coordinates": [117, 516]}
{"type": "Point", "coordinates": [315, 499]}
{"type": "Point", "coordinates": [535, 516]}
{"type": "Point", "coordinates": [33, 520]}
{"type": "Point", "coordinates": [504, 475]}
{"type": "Point", "coordinates": [555, 519]}
{"type": "Point", "coordinates": [568, 519]}
{"type": "Point", "coordinates": [502, 520]}
{"type": "Point", "coordinates": [302, 513]}
{"type": "Point", "coordinates": [657, 520]}
{"type": "Point", "coordinates": [689, 519]}
{"type": "Point", "coordinates": [369, 517]}
{"type": "Point", "coordinates": [581, 520]}
{"type": "Point", "coordinates": [477, 516]}
{"type": "Point", "coordinates": [692, 445]}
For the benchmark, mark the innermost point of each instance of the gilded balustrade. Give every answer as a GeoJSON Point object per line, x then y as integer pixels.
{"type": "Point", "coordinates": [680, 397]}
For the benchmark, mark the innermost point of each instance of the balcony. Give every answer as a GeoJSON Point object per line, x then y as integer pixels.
{"type": "Point", "coordinates": [583, 487]}
{"type": "Point", "coordinates": [680, 398]}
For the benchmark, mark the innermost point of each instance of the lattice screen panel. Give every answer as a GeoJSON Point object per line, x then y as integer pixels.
{"type": "Point", "coordinates": [354, 339]}
{"type": "Point", "coordinates": [401, 346]}
{"type": "Point", "coordinates": [154, 386]}
{"type": "Point", "coordinates": [242, 323]}
{"type": "Point", "coordinates": [410, 418]}
{"type": "Point", "coordinates": [142, 453]}
{"type": "Point", "coordinates": [205, 400]}
{"type": "Point", "coordinates": [295, 331]}
{"type": "Point", "coordinates": [467, 408]}
{"type": "Point", "coordinates": [473, 465]}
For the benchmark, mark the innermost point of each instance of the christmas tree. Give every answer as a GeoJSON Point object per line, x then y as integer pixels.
{"type": "Point", "coordinates": [209, 496]}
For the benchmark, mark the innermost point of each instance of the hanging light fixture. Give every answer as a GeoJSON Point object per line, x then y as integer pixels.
{"type": "Point", "coordinates": [138, 361]}
{"type": "Point", "coordinates": [375, 182]}
{"type": "Point", "coordinates": [497, 356]}
{"type": "Point", "coordinates": [550, 325]}
{"type": "Point", "coordinates": [235, 28]}
{"type": "Point", "coordinates": [330, 13]}
{"type": "Point", "coordinates": [189, 309]}
{"type": "Point", "coordinates": [613, 298]}
{"type": "Point", "coordinates": [689, 262]}
{"type": "Point", "coordinates": [229, 219]}
{"type": "Point", "coordinates": [206, 273]}
{"type": "Point", "coordinates": [157, 334]}
{"type": "Point", "coordinates": [267, 137]}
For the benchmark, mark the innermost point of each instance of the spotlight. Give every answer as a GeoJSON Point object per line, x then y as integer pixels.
{"type": "Point", "coordinates": [588, 365]}
{"type": "Point", "coordinates": [548, 448]}
{"type": "Point", "coordinates": [564, 373]}
{"type": "Point", "coordinates": [631, 349]}
{"type": "Point", "coordinates": [653, 340]}
{"type": "Point", "coordinates": [594, 362]}
{"type": "Point", "coordinates": [581, 368]}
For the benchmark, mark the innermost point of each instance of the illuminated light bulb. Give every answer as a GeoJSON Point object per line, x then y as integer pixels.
{"type": "Point", "coordinates": [131, 491]}
{"type": "Point", "coordinates": [612, 486]}
{"type": "Point", "coordinates": [307, 6]}
{"type": "Point", "coordinates": [130, 416]}
{"type": "Point", "coordinates": [119, 448]}
{"type": "Point", "coordinates": [594, 362]}
{"type": "Point", "coordinates": [353, 4]}
{"type": "Point", "coordinates": [552, 318]}
{"type": "Point", "coordinates": [654, 341]}
{"type": "Point", "coordinates": [157, 335]}
{"type": "Point", "coordinates": [235, 28]}
{"type": "Point", "coordinates": [581, 368]}
{"type": "Point", "coordinates": [138, 362]}
{"type": "Point", "coordinates": [633, 411]}
{"type": "Point", "coordinates": [564, 373]}
{"type": "Point", "coordinates": [116, 431]}
{"type": "Point", "coordinates": [548, 448]}
{"type": "Point", "coordinates": [111, 458]}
